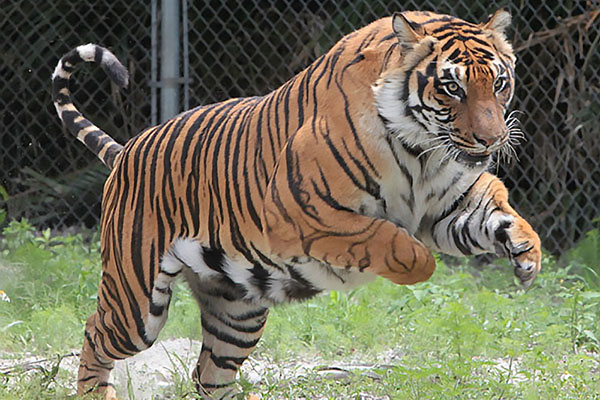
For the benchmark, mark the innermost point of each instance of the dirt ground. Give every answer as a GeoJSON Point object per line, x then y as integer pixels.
{"type": "Point", "coordinates": [157, 368]}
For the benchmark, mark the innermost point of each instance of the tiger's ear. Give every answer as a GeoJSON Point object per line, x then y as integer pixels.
{"type": "Point", "coordinates": [408, 34]}
{"type": "Point", "coordinates": [498, 22]}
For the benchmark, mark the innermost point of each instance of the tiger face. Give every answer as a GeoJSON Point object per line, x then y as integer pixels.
{"type": "Point", "coordinates": [452, 87]}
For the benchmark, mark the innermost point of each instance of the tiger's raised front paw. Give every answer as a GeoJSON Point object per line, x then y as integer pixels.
{"type": "Point", "coordinates": [521, 244]}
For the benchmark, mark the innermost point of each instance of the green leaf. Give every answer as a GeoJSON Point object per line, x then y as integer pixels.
{"type": "Point", "coordinates": [3, 193]}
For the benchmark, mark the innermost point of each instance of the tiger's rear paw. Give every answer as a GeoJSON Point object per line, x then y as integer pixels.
{"type": "Point", "coordinates": [110, 393]}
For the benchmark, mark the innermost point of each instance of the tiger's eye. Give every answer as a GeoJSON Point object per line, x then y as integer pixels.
{"type": "Point", "coordinates": [498, 84]}
{"type": "Point", "coordinates": [452, 87]}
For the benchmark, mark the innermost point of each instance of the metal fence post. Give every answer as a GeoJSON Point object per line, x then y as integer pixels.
{"type": "Point", "coordinates": [169, 59]}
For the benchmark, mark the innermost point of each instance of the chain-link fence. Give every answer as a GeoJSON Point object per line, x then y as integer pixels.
{"type": "Point", "coordinates": [241, 48]}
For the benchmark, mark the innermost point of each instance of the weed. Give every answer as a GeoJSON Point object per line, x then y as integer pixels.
{"type": "Point", "coordinates": [464, 334]}
{"type": "Point", "coordinates": [586, 256]}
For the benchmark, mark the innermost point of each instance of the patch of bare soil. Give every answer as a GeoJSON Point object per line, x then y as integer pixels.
{"type": "Point", "coordinates": [156, 369]}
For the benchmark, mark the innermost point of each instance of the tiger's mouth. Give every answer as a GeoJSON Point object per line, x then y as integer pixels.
{"type": "Point", "coordinates": [470, 157]}
{"type": "Point", "coordinates": [473, 158]}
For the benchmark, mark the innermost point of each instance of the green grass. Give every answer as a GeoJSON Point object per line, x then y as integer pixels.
{"type": "Point", "coordinates": [468, 333]}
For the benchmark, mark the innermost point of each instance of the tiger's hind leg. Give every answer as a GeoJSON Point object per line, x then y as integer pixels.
{"type": "Point", "coordinates": [94, 364]}
{"type": "Point", "coordinates": [231, 328]}
{"type": "Point", "coordinates": [122, 326]}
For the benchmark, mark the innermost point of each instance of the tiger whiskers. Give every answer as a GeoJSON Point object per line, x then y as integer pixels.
{"type": "Point", "coordinates": [506, 153]}
{"type": "Point", "coordinates": [452, 154]}
{"type": "Point", "coordinates": [515, 137]}
{"type": "Point", "coordinates": [515, 133]}
{"type": "Point", "coordinates": [441, 141]}
{"type": "Point", "coordinates": [429, 140]}
{"type": "Point", "coordinates": [445, 143]}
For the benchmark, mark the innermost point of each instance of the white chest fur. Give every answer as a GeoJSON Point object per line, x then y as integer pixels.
{"type": "Point", "coordinates": [414, 188]}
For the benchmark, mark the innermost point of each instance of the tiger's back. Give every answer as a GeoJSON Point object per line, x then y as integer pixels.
{"type": "Point", "coordinates": [356, 167]}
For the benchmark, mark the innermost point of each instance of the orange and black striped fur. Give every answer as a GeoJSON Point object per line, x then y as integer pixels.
{"type": "Point", "coordinates": [358, 166]}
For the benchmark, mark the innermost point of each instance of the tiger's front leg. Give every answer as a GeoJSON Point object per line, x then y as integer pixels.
{"type": "Point", "coordinates": [309, 211]}
{"type": "Point", "coordinates": [483, 221]}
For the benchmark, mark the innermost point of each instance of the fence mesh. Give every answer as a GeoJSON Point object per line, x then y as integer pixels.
{"type": "Point", "coordinates": [242, 48]}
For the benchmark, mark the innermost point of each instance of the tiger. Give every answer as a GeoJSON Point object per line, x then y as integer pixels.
{"type": "Point", "coordinates": [361, 165]}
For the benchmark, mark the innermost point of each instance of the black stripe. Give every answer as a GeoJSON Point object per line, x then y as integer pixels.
{"type": "Point", "coordinates": [335, 56]}
{"type": "Point", "coordinates": [59, 83]}
{"type": "Point", "coordinates": [449, 44]}
{"type": "Point", "coordinates": [371, 186]}
{"type": "Point", "coordinates": [450, 185]}
{"type": "Point", "coordinates": [454, 205]}
{"type": "Point", "coordinates": [414, 151]}
{"type": "Point", "coordinates": [295, 184]}
{"type": "Point", "coordinates": [227, 338]}
{"type": "Point", "coordinates": [123, 345]}
{"type": "Point", "coordinates": [264, 259]}
{"type": "Point", "coordinates": [214, 258]}
{"type": "Point", "coordinates": [249, 315]}
{"type": "Point", "coordinates": [286, 105]}
{"type": "Point", "coordinates": [215, 385]}
{"type": "Point", "coordinates": [95, 140]}
{"type": "Point", "coordinates": [463, 237]}
{"type": "Point", "coordinates": [486, 213]}
{"type": "Point", "coordinates": [518, 253]}
{"type": "Point", "coordinates": [111, 154]}
{"type": "Point", "coordinates": [232, 158]}
{"type": "Point", "coordinates": [326, 194]}
{"type": "Point", "coordinates": [98, 51]}
{"type": "Point", "coordinates": [89, 378]}
{"type": "Point", "coordinates": [132, 299]}
{"type": "Point", "coordinates": [107, 279]}
{"type": "Point", "coordinates": [356, 59]}
{"type": "Point", "coordinates": [367, 40]}
{"type": "Point", "coordinates": [268, 105]}
{"type": "Point", "coordinates": [223, 165]}
{"type": "Point", "coordinates": [156, 309]}
{"type": "Point", "coordinates": [387, 56]}
{"type": "Point", "coordinates": [190, 134]}
{"type": "Point", "coordinates": [300, 95]}
{"type": "Point", "coordinates": [387, 37]}
{"type": "Point", "coordinates": [144, 172]}
{"type": "Point", "coordinates": [148, 162]}
{"type": "Point", "coordinates": [462, 247]}
{"type": "Point", "coordinates": [261, 278]}
{"type": "Point", "coordinates": [118, 335]}
{"type": "Point", "coordinates": [452, 24]}
{"type": "Point", "coordinates": [72, 57]}
{"type": "Point", "coordinates": [353, 128]}
{"type": "Point", "coordinates": [298, 287]}
{"type": "Point", "coordinates": [166, 290]}
{"type": "Point", "coordinates": [237, 327]}
{"type": "Point", "coordinates": [500, 234]}
{"type": "Point", "coordinates": [237, 360]}
{"type": "Point", "coordinates": [222, 362]}
{"type": "Point", "coordinates": [245, 167]}
{"type": "Point", "coordinates": [338, 157]}
{"type": "Point", "coordinates": [174, 135]}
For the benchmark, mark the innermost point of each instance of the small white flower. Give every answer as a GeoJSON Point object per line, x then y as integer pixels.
{"type": "Point", "coordinates": [565, 375]}
{"type": "Point", "coordinates": [4, 296]}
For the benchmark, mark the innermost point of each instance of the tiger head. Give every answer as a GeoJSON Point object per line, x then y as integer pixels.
{"type": "Point", "coordinates": [452, 86]}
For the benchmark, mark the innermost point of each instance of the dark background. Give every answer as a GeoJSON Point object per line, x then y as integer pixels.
{"type": "Point", "coordinates": [241, 48]}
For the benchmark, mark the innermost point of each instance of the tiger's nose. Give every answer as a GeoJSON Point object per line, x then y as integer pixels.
{"type": "Point", "coordinates": [486, 140]}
